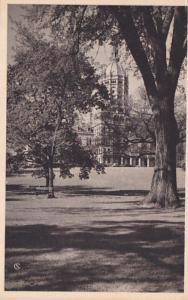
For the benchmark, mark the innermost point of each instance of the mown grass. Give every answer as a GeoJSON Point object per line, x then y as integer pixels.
{"type": "Point", "coordinates": [94, 236]}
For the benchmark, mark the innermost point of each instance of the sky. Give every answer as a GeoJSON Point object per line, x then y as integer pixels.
{"type": "Point", "coordinates": [15, 12]}
{"type": "Point", "coordinates": [101, 55]}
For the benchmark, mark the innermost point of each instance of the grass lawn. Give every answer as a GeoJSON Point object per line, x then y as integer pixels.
{"type": "Point", "coordinates": [94, 236]}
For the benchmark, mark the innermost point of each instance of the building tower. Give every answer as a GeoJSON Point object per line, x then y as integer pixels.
{"type": "Point", "coordinates": [108, 123]}
{"type": "Point", "coordinates": [116, 82]}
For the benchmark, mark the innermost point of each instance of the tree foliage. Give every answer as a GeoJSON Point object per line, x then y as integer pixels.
{"type": "Point", "coordinates": [46, 85]}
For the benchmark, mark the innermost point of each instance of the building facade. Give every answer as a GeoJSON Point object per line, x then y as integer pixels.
{"type": "Point", "coordinates": [102, 131]}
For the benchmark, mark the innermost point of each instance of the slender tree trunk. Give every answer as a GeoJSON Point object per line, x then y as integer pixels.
{"type": "Point", "coordinates": [51, 181]}
{"type": "Point", "coordinates": [47, 180]}
{"type": "Point", "coordinates": [164, 185]}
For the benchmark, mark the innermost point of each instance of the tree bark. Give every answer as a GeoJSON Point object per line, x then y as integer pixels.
{"type": "Point", "coordinates": [51, 181]}
{"type": "Point", "coordinates": [47, 180]}
{"type": "Point", "coordinates": [163, 191]}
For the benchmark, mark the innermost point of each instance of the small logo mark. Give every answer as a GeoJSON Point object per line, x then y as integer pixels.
{"type": "Point", "coordinates": [17, 266]}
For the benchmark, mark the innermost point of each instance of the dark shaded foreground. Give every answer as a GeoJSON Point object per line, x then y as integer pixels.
{"type": "Point", "coordinates": [149, 253]}
{"type": "Point", "coordinates": [94, 236]}
{"type": "Point", "coordinates": [106, 254]}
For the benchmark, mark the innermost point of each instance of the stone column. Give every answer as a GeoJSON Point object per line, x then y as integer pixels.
{"type": "Point", "coordinates": [139, 162]}
{"type": "Point", "coordinates": [121, 161]}
{"type": "Point", "coordinates": [131, 161]}
{"type": "Point", "coordinates": [148, 164]}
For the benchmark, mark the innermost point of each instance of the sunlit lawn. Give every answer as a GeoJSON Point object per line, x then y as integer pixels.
{"type": "Point", "coordinates": [94, 236]}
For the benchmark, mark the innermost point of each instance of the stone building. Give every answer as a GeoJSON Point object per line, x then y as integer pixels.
{"type": "Point", "coordinates": [103, 130]}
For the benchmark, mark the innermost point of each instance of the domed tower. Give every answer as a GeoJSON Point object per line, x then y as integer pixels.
{"type": "Point", "coordinates": [108, 145]}
{"type": "Point", "coordinates": [116, 82]}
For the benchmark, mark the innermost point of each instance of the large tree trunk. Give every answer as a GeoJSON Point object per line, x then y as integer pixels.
{"type": "Point", "coordinates": [51, 185]}
{"type": "Point", "coordinates": [164, 187]}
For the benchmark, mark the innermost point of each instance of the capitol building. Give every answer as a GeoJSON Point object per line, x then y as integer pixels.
{"type": "Point", "coordinates": [103, 131]}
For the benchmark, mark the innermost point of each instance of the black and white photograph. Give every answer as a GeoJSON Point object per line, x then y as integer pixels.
{"type": "Point", "coordinates": [95, 148]}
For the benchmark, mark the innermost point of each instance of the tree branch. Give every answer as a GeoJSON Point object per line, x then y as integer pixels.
{"type": "Point", "coordinates": [78, 30]}
{"type": "Point", "coordinates": [150, 26]}
{"type": "Point", "coordinates": [167, 21]}
{"type": "Point", "coordinates": [179, 44]}
{"type": "Point", "coordinates": [151, 133]}
{"type": "Point", "coordinates": [158, 45]}
{"type": "Point", "coordinates": [157, 18]}
{"type": "Point", "coordinates": [132, 39]}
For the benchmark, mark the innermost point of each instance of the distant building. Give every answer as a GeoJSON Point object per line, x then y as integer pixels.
{"type": "Point", "coordinates": [102, 130]}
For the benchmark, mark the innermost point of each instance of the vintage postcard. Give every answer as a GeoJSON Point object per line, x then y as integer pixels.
{"type": "Point", "coordinates": [93, 151]}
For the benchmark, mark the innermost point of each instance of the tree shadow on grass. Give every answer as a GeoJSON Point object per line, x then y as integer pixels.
{"type": "Point", "coordinates": [83, 190]}
{"type": "Point", "coordinates": [19, 189]}
{"type": "Point", "coordinates": [78, 190]}
{"type": "Point", "coordinates": [148, 252]}
{"type": "Point", "coordinates": [15, 187]}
